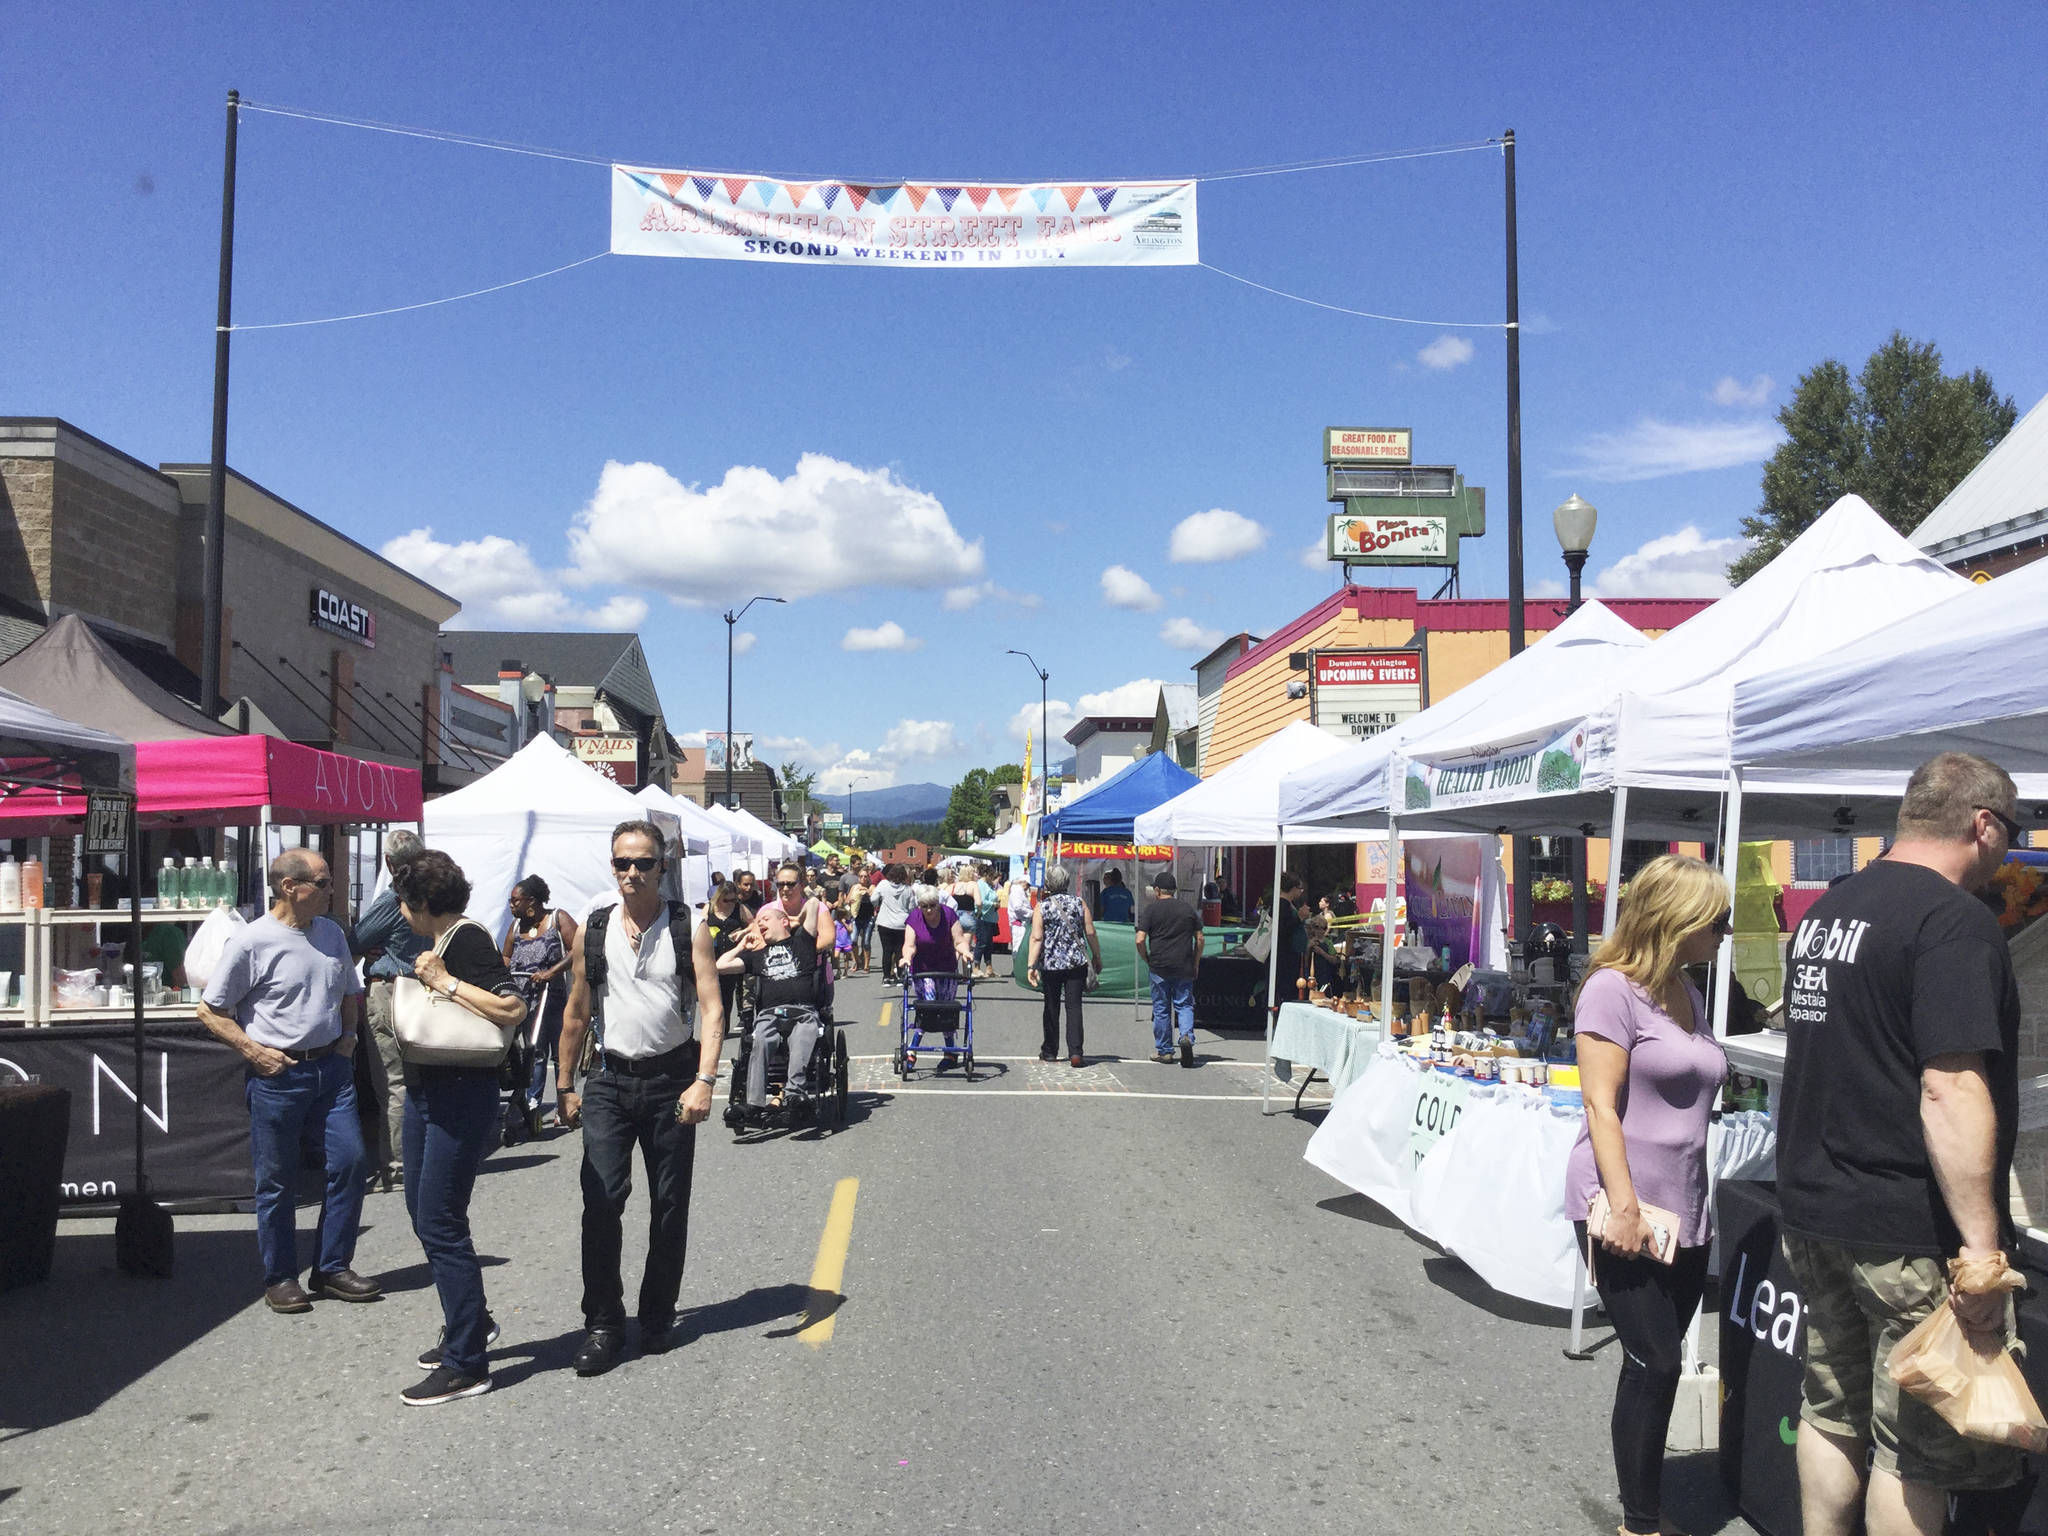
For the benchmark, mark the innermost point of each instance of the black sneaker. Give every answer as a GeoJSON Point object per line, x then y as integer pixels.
{"type": "Point", "coordinates": [429, 1358]}
{"type": "Point", "coordinates": [600, 1352]}
{"type": "Point", "coordinates": [1187, 1050]}
{"type": "Point", "coordinates": [444, 1386]}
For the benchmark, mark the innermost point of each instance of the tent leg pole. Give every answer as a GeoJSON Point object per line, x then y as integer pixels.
{"type": "Point", "coordinates": [1273, 974]}
{"type": "Point", "coordinates": [1616, 830]}
{"type": "Point", "coordinates": [1387, 930]}
{"type": "Point", "coordinates": [1731, 857]}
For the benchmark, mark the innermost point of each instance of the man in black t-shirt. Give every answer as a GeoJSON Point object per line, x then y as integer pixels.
{"type": "Point", "coordinates": [1170, 943]}
{"type": "Point", "coordinates": [1895, 1143]}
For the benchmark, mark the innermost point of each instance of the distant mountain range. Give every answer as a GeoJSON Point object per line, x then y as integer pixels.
{"type": "Point", "coordinates": [896, 804]}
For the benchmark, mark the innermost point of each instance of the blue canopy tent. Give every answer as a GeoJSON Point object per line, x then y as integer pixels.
{"type": "Point", "coordinates": [1106, 814]}
{"type": "Point", "coordinates": [1108, 809]}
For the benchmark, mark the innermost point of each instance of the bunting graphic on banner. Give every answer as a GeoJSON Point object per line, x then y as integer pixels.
{"type": "Point", "coordinates": [843, 223]}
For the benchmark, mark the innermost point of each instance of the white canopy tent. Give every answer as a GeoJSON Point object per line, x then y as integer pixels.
{"type": "Point", "coordinates": [1010, 844]}
{"type": "Point", "coordinates": [1964, 676]}
{"type": "Point", "coordinates": [540, 813]}
{"type": "Point", "coordinates": [707, 842]}
{"type": "Point", "coordinates": [1650, 741]}
{"type": "Point", "coordinates": [1349, 787]}
{"type": "Point", "coordinates": [777, 845]}
{"type": "Point", "coordinates": [1648, 750]}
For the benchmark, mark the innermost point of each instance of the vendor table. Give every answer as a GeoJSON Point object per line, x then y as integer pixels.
{"type": "Point", "coordinates": [1334, 1044]}
{"type": "Point", "coordinates": [1478, 1168]}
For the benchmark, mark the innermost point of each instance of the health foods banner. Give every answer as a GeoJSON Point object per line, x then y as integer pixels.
{"type": "Point", "coordinates": [851, 224]}
{"type": "Point", "coordinates": [1553, 767]}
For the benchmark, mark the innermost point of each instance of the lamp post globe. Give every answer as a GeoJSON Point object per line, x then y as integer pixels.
{"type": "Point", "coordinates": [1575, 520]}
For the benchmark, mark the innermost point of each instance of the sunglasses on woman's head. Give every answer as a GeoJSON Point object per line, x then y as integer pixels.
{"type": "Point", "coordinates": [642, 865]}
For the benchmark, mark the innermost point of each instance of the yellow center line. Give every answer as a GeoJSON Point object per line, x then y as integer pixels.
{"type": "Point", "coordinates": [888, 1018]}
{"type": "Point", "coordinates": [830, 1270]}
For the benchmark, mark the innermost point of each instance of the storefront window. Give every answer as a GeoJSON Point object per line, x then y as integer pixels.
{"type": "Point", "coordinates": [1818, 860]}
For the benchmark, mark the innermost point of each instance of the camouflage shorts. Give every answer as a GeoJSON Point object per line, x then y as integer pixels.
{"type": "Point", "coordinates": [1859, 1304]}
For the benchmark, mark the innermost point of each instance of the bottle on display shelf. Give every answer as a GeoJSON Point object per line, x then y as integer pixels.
{"type": "Point", "coordinates": [31, 884]}
{"type": "Point", "coordinates": [209, 884]}
{"type": "Point", "coordinates": [186, 889]}
{"type": "Point", "coordinates": [167, 884]}
{"type": "Point", "coordinates": [230, 886]}
{"type": "Point", "coordinates": [10, 886]}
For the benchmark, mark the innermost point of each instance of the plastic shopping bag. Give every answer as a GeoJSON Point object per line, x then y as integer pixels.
{"type": "Point", "coordinates": [1975, 1385]}
{"type": "Point", "coordinates": [209, 944]}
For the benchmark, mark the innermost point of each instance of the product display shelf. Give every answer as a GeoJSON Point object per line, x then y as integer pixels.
{"type": "Point", "coordinates": [21, 989]}
{"type": "Point", "coordinates": [38, 992]}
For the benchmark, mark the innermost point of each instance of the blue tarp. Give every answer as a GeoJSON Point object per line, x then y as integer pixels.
{"type": "Point", "coordinates": [1108, 810]}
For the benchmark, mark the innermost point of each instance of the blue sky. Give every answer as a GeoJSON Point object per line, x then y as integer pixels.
{"type": "Point", "coordinates": [1712, 201]}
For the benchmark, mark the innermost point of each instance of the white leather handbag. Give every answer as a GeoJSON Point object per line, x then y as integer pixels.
{"type": "Point", "coordinates": [434, 1030]}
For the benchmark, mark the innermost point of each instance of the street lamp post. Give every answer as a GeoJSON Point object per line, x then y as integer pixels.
{"type": "Point", "coordinates": [732, 619]}
{"type": "Point", "coordinates": [1044, 748]}
{"type": "Point", "coordinates": [850, 822]}
{"type": "Point", "coordinates": [1574, 520]}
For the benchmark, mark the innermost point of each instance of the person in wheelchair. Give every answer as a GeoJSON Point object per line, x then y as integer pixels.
{"type": "Point", "coordinates": [787, 954]}
{"type": "Point", "coordinates": [934, 942]}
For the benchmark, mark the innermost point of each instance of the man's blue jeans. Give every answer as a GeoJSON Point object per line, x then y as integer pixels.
{"type": "Point", "coordinates": [1173, 1002]}
{"type": "Point", "coordinates": [451, 1121]}
{"type": "Point", "coordinates": [318, 1095]}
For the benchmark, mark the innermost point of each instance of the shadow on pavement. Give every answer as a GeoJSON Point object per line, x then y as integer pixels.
{"type": "Point", "coordinates": [89, 1332]}
{"type": "Point", "coordinates": [818, 1305]}
{"type": "Point", "coordinates": [1451, 1275]}
{"type": "Point", "coordinates": [514, 1164]}
{"type": "Point", "coordinates": [515, 1364]}
{"type": "Point", "coordinates": [751, 1309]}
{"type": "Point", "coordinates": [1695, 1498]}
{"type": "Point", "coordinates": [420, 1277]}
{"type": "Point", "coordinates": [1359, 1208]}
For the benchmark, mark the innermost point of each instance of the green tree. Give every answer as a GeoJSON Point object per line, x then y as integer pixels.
{"type": "Point", "coordinates": [797, 782]}
{"type": "Point", "coordinates": [969, 808]}
{"type": "Point", "coordinates": [1901, 435]}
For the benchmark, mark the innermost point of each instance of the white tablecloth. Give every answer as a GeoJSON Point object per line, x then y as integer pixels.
{"type": "Point", "coordinates": [1334, 1044]}
{"type": "Point", "coordinates": [1485, 1181]}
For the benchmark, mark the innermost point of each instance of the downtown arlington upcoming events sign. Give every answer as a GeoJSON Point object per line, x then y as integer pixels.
{"type": "Point", "coordinates": [844, 223]}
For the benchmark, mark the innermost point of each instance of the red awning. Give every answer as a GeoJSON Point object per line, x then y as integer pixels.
{"type": "Point", "coordinates": [210, 781]}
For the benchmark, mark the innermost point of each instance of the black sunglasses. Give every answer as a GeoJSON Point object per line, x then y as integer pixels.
{"type": "Point", "coordinates": [643, 865]}
{"type": "Point", "coordinates": [2014, 832]}
{"type": "Point", "coordinates": [321, 884]}
{"type": "Point", "coordinates": [788, 885]}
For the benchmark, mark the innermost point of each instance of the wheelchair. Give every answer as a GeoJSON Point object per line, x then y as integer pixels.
{"type": "Point", "coordinates": [936, 1003]}
{"type": "Point", "coordinates": [824, 1104]}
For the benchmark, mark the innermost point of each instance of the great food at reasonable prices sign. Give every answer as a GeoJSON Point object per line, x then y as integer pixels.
{"type": "Point", "coordinates": [1390, 536]}
{"type": "Point", "coordinates": [711, 214]}
{"type": "Point", "coordinates": [1366, 445]}
{"type": "Point", "coordinates": [1553, 766]}
{"type": "Point", "coordinates": [1358, 694]}
{"type": "Point", "coordinates": [616, 757]}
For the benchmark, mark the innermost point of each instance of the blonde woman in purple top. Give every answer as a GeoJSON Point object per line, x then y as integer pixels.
{"type": "Point", "coordinates": [1650, 1070]}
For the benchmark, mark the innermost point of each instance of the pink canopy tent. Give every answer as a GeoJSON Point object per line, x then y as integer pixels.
{"type": "Point", "coordinates": [217, 781]}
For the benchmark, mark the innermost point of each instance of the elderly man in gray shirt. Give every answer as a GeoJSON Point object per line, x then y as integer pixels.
{"type": "Point", "coordinates": [387, 946]}
{"type": "Point", "coordinates": [286, 996]}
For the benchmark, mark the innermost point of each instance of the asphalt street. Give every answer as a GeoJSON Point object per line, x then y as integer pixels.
{"type": "Point", "coordinates": [1111, 1299]}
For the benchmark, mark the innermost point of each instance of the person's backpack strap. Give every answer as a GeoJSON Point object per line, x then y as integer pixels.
{"type": "Point", "coordinates": [686, 964]}
{"type": "Point", "coordinates": [595, 967]}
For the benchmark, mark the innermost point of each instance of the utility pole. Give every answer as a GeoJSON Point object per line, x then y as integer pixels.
{"type": "Point", "coordinates": [1524, 848]}
{"type": "Point", "coordinates": [213, 566]}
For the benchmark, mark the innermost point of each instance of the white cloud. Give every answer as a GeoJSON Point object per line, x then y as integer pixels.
{"type": "Point", "coordinates": [1187, 635]}
{"type": "Point", "coordinates": [1123, 587]}
{"type": "Point", "coordinates": [1214, 535]}
{"type": "Point", "coordinates": [1681, 564]}
{"type": "Point", "coordinates": [960, 599]}
{"type": "Point", "coordinates": [1732, 391]}
{"type": "Point", "coordinates": [886, 636]}
{"type": "Point", "coordinates": [743, 641]}
{"type": "Point", "coordinates": [499, 584]}
{"type": "Point", "coordinates": [920, 738]}
{"type": "Point", "coordinates": [1316, 556]}
{"type": "Point", "coordinates": [839, 777]}
{"type": "Point", "coordinates": [1115, 361]}
{"type": "Point", "coordinates": [1059, 719]}
{"type": "Point", "coordinates": [829, 527]}
{"type": "Point", "coordinates": [1446, 352]}
{"type": "Point", "coordinates": [1652, 449]}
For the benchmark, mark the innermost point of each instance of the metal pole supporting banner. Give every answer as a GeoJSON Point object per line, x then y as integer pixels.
{"type": "Point", "coordinates": [213, 563]}
{"type": "Point", "coordinates": [730, 620]}
{"type": "Point", "coordinates": [1514, 330]}
{"type": "Point", "coordinates": [1273, 969]}
{"type": "Point", "coordinates": [1387, 929]}
{"type": "Point", "coordinates": [1731, 860]}
{"type": "Point", "coordinates": [1616, 828]}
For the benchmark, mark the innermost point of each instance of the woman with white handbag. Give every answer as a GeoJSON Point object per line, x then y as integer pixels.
{"type": "Point", "coordinates": [455, 1017]}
